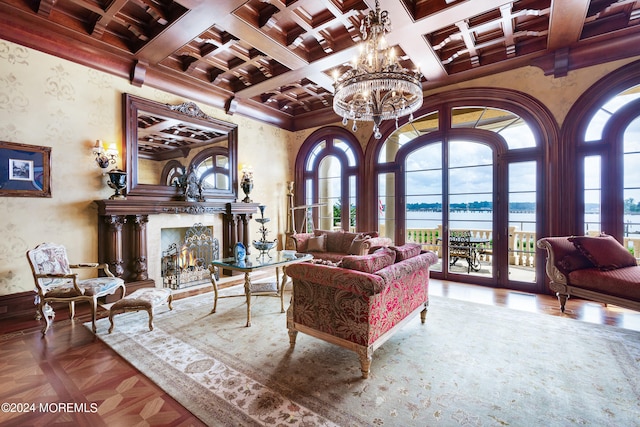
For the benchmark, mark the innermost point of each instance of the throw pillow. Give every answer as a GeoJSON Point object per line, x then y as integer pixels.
{"type": "Point", "coordinates": [347, 239]}
{"type": "Point", "coordinates": [317, 243]}
{"type": "Point", "coordinates": [575, 262]}
{"type": "Point", "coordinates": [333, 239]}
{"type": "Point", "coordinates": [406, 251]}
{"type": "Point", "coordinates": [356, 244]}
{"type": "Point", "coordinates": [370, 263]}
{"type": "Point", "coordinates": [604, 251]}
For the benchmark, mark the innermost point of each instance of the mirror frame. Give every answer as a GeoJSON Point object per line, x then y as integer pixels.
{"type": "Point", "coordinates": [187, 112]}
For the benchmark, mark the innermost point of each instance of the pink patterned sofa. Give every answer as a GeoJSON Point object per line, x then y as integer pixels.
{"type": "Point", "coordinates": [361, 303]}
{"type": "Point", "coordinates": [597, 268]}
{"type": "Point", "coordinates": [335, 245]}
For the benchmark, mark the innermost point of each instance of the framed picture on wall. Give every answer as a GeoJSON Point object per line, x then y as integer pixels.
{"type": "Point", "coordinates": [25, 170]}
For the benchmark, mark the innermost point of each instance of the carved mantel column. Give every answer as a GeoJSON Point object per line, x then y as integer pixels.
{"type": "Point", "coordinates": [115, 261]}
{"type": "Point", "coordinates": [229, 233]}
{"type": "Point", "coordinates": [140, 246]}
{"type": "Point", "coordinates": [236, 225]}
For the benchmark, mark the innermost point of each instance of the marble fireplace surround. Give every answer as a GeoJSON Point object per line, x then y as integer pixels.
{"type": "Point", "coordinates": [129, 232]}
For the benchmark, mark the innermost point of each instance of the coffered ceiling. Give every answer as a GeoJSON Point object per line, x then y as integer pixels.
{"type": "Point", "coordinates": [273, 60]}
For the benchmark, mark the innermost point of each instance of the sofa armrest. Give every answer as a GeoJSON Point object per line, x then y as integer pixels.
{"type": "Point", "coordinates": [418, 263]}
{"type": "Point", "coordinates": [374, 243]}
{"type": "Point", "coordinates": [300, 241]}
{"type": "Point", "coordinates": [353, 281]}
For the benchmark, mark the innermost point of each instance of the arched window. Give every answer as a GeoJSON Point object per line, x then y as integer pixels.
{"type": "Point", "coordinates": [327, 181]}
{"type": "Point", "coordinates": [472, 163]}
{"type": "Point", "coordinates": [172, 172]}
{"type": "Point", "coordinates": [211, 166]}
{"type": "Point", "coordinates": [603, 133]}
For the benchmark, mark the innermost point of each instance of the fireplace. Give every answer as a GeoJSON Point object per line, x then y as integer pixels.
{"type": "Point", "coordinates": [188, 253]}
{"type": "Point", "coordinates": [129, 233]}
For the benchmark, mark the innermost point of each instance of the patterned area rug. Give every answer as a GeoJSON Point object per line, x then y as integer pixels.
{"type": "Point", "coordinates": [469, 365]}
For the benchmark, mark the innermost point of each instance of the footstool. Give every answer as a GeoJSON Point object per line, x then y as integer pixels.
{"type": "Point", "coordinates": [142, 299]}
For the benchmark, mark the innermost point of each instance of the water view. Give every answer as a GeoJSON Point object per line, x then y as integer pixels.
{"type": "Point", "coordinates": [523, 221]}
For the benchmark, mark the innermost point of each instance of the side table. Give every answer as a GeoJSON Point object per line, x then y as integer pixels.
{"type": "Point", "coordinates": [253, 263]}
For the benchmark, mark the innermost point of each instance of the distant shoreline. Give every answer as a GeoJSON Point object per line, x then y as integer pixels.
{"type": "Point", "coordinates": [510, 211]}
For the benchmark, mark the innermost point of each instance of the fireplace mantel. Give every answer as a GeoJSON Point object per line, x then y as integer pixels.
{"type": "Point", "coordinates": [132, 206]}
{"type": "Point", "coordinates": [122, 231]}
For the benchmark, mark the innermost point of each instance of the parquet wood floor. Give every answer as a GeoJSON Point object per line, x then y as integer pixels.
{"type": "Point", "coordinates": [81, 382]}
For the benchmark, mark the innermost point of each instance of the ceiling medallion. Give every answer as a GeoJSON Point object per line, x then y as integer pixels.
{"type": "Point", "coordinates": [376, 87]}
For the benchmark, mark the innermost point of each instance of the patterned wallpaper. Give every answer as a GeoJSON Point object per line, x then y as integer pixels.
{"type": "Point", "coordinates": [51, 102]}
{"type": "Point", "coordinates": [48, 101]}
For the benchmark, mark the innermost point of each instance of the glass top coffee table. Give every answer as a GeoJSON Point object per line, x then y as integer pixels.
{"type": "Point", "coordinates": [255, 262]}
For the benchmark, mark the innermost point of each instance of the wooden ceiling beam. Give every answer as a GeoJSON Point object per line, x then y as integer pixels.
{"type": "Point", "coordinates": [313, 72]}
{"type": "Point", "coordinates": [261, 41]}
{"type": "Point", "coordinates": [190, 26]}
{"type": "Point", "coordinates": [566, 22]}
{"type": "Point", "coordinates": [404, 30]}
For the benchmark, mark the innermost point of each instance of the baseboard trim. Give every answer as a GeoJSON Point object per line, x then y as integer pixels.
{"type": "Point", "coordinates": [18, 304]}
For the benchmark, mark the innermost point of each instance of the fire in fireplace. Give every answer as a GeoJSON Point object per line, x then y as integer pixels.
{"type": "Point", "coordinates": [186, 263]}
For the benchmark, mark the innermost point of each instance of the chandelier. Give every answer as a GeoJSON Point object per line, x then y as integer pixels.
{"type": "Point", "coordinates": [376, 87]}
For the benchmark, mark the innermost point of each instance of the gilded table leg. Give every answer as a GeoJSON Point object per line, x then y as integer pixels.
{"type": "Point", "coordinates": [247, 292]}
{"type": "Point", "coordinates": [215, 289]}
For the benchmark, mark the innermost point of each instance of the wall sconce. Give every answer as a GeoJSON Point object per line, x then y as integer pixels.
{"type": "Point", "coordinates": [104, 157]}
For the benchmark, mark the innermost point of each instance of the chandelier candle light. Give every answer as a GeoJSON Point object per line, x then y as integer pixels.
{"type": "Point", "coordinates": [376, 87]}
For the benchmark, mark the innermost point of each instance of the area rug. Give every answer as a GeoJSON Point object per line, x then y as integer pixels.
{"type": "Point", "coordinates": [469, 365]}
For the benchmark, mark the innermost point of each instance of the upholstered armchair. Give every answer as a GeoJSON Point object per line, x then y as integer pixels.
{"type": "Point", "coordinates": [55, 282]}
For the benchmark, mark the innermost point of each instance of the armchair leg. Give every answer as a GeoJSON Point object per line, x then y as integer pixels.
{"type": "Point", "coordinates": [45, 311]}
{"type": "Point", "coordinates": [72, 309]}
{"type": "Point", "coordinates": [292, 337]}
{"type": "Point", "coordinates": [94, 308]}
{"type": "Point", "coordinates": [365, 356]}
{"type": "Point", "coordinates": [423, 315]}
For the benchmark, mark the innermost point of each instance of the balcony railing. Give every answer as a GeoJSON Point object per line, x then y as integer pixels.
{"type": "Point", "coordinates": [522, 244]}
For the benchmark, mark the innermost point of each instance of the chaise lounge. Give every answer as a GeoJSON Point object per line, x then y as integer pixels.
{"type": "Point", "coordinates": [596, 268]}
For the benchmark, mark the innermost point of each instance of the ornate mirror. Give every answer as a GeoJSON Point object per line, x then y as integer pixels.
{"type": "Point", "coordinates": [165, 144]}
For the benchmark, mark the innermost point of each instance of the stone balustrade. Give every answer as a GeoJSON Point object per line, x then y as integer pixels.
{"type": "Point", "coordinates": [522, 244]}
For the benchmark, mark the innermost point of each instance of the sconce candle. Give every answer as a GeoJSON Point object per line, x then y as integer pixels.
{"type": "Point", "coordinates": [104, 157]}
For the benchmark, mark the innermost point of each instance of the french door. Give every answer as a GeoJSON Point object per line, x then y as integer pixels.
{"type": "Point", "coordinates": [475, 206]}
